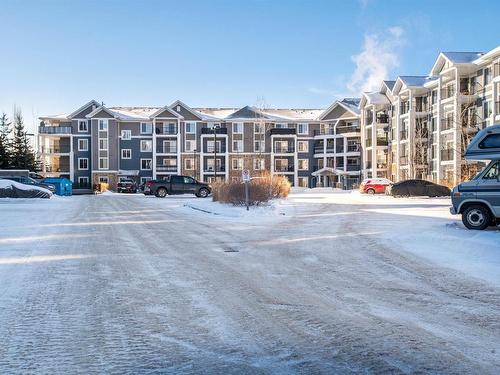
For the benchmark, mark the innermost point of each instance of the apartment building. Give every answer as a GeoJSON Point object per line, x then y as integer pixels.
{"type": "Point", "coordinates": [96, 143]}
{"type": "Point", "coordinates": [419, 126]}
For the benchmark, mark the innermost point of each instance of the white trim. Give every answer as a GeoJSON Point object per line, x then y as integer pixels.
{"type": "Point", "coordinates": [147, 123]}
{"type": "Point", "coordinates": [86, 126]}
{"type": "Point", "coordinates": [146, 169]}
{"type": "Point", "coordinates": [85, 106]}
{"type": "Point", "coordinates": [143, 142]}
{"type": "Point", "coordinates": [86, 144]}
{"type": "Point", "coordinates": [130, 153]}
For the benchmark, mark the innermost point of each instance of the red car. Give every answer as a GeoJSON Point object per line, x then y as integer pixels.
{"type": "Point", "coordinates": [374, 185]}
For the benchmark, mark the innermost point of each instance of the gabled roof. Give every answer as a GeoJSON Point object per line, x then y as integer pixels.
{"type": "Point", "coordinates": [349, 104]}
{"type": "Point", "coordinates": [167, 109]}
{"type": "Point", "coordinates": [389, 84]}
{"type": "Point", "coordinates": [454, 58]}
{"type": "Point", "coordinates": [99, 109]}
{"type": "Point", "coordinates": [194, 112]}
{"type": "Point", "coordinates": [247, 112]}
{"type": "Point", "coordinates": [375, 98]}
{"type": "Point", "coordinates": [85, 106]}
{"type": "Point", "coordinates": [411, 82]}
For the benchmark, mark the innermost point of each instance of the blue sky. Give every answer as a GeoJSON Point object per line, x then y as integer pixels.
{"type": "Point", "coordinates": [57, 55]}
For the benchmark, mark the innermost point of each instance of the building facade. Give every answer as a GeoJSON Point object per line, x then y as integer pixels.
{"type": "Point", "coordinates": [311, 147]}
{"type": "Point", "coordinates": [419, 126]}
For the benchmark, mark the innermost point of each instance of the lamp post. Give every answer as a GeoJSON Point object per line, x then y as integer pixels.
{"type": "Point", "coordinates": [215, 128]}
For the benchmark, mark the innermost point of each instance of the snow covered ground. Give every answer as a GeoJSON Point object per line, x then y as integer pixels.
{"type": "Point", "coordinates": [320, 282]}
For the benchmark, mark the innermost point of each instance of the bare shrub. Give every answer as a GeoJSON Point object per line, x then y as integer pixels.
{"type": "Point", "coordinates": [260, 190]}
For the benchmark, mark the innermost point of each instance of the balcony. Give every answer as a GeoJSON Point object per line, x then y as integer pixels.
{"type": "Point", "coordinates": [210, 169]}
{"type": "Point", "coordinates": [353, 167]}
{"type": "Point", "coordinates": [166, 130]}
{"type": "Point", "coordinates": [284, 168]}
{"type": "Point", "coordinates": [404, 108]}
{"type": "Point", "coordinates": [219, 150]}
{"type": "Point", "coordinates": [496, 70]}
{"type": "Point", "coordinates": [348, 129]}
{"type": "Point", "coordinates": [447, 155]}
{"type": "Point", "coordinates": [382, 118]}
{"type": "Point", "coordinates": [166, 168]}
{"type": "Point", "coordinates": [283, 131]}
{"type": "Point", "coordinates": [448, 92]}
{"type": "Point", "coordinates": [446, 124]}
{"type": "Point", "coordinates": [382, 141]}
{"type": "Point", "coordinates": [353, 148]}
{"type": "Point", "coordinates": [284, 150]}
{"type": "Point", "coordinates": [56, 150]}
{"type": "Point", "coordinates": [326, 131]}
{"type": "Point", "coordinates": [55, 168]}
{"type": "Point", "coordinates": [62, 130]}
{"type": "Point", "coordinates": [211, 131]}
{"type": "Point", "coordinates": [403, 160]}
{"type": "Point", "coordinates": [166, 150]}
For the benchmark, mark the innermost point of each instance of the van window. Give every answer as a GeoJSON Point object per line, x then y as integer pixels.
{"type": "Point", "coordinates": [491, 141]}
{"type": "Point", "coordinates": [493, 172]}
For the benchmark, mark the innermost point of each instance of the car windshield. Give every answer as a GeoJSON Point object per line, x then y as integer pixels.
{"type": "Point", "coordinates": [478, 174]}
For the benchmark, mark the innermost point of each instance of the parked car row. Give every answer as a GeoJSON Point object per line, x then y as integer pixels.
{"type": "Point", "coordinates": [30, 181]}
{"type": "Point", "coordinates": [169, 185]}
{"type": "Point", "coordinates": [407, 188]}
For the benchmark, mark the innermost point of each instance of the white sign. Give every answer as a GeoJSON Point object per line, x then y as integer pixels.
{"type": "Point", "coordinates": [245, 175]}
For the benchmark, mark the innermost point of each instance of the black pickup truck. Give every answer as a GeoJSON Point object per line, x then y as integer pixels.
{"type": "Point", "coordinates": [176, 185]}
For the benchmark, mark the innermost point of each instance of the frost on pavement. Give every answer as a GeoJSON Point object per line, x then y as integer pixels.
{"type": "Point", "coordinates": [319, 283]}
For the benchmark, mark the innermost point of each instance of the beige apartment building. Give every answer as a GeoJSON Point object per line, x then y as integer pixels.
{"type": "Point", "coordinates": [419, 126]}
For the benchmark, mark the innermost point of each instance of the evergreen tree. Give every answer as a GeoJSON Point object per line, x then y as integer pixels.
{"type": "Point", "coordinates": [23, 155]}
{"type": "Point", "coordinates": [5, 146]}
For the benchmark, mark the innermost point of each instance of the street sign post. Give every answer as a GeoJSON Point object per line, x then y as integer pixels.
{"type": "Point", "coordinates": [245, 175]}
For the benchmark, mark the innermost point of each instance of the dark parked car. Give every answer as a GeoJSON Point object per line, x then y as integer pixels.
{"type": "Point", "coordinates": [30, 181]}
{"type": "Point", "coordinates": [418, 188]}
{"type": "Point", "coordinates": [127, 186]}
{"type": "Point", "coordinates": [176, 185]}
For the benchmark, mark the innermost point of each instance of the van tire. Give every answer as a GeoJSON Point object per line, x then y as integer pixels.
{"type": "Point", "coordinates": [161, 192]}
{"type": "Point", "coordinates": [476, 217]}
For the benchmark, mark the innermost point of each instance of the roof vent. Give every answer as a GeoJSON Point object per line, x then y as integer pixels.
{"type": "Point", "coordinates": [178, 108]}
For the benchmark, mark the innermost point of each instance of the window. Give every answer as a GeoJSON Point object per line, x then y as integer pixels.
{"type": "Point", "coordinates": [169, 162]}
{"type": "Point", "coordinates": [237, 127]}
{"type": "Point", "coordinates": [303, 129]}
{"type": "Point", "coordinates": [487, 76]}
{"type": "Point", "coordinates": [190, 146]}
{"type": "Point", "coordinates": [210, 165]}
{"type": "Point", "coordinates": [259, 146]}
{"type": "Point", "coordinates": [303, 146]}
{"type": "Point", "coordinates": [126, 135]}
{"type": "Point", "coordinates": [103, 125]}
{"type": "Point", "coordinates": [281, 126]}
{"type": "Point", "coordinates": [303, 182]}
{"type": "Point", "coordinates": [281, 146]}
{"type": "Point", "coordinates": [103, 144]}
{"type": "Point", "coordinates": [83, 145]}
{"type": "Point", "coordinates": [83, 164]}
{"type": "Point", "coordinates": [238, 146]}
{"type": "Point", "coordinates": [491, 141]}
{"type": "Point", "coordinates": [103, 163]}
{"type": "Point", "coordinates": [169, 128]}
{"type": "Point", "coordinates": [237, 164]}
{"type": "Point", "coordinates": [83, 181]}
{"type": "Point", "coordinates": [126, 153]}
{"type": "Point", "coordinates": [82, 126]}
{"type": "Point", "coordinates": [259, 164]}
{"type": "Point", "coordinates": [493, 173]}
{"type": "Point", "coordinates": [303, 164]}
{"type": "Point", "coordinates": [146, 128]}
{"type": "Point", "coordinates": [486, 110]}
{"type": "Point", "coordinates": [103, 179]}
{"type": "Point", "coordinates": [189, 180]}
{"type": "Point", "coordinates": [210, 146]}
{"type": "Point", "coordinates": [259, 128]}
{"type": "Point", "coordinates": [191, 127]}
{"type": "Point", "coordinates": [146, 164]}
{"type": "Point", "coordinates": [352, 161]}
{"type": "Point", "coordinates": [169, 147]}
{"type": "Point", "coordinates": [189, 164]}
{"type": "Point", "coordinates": [146, 145]}
{"type": "Point", "coordinates": [281, 165]}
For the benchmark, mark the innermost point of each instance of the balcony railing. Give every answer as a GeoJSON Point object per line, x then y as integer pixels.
{"type": "Point", "coordinates": [353, 167]}
{"type": "Point", "coordinates": [166, 168]}
{"type": "Point", "coordinates": [212, 169]}
{"type": "Point", "coordinates": [281, 168]}
{"type": "Point", "coordinates": [348, 129]}
{"type": "Point", "coordinates": [382, 141]}
{"type": "Point", "coordinates": [353, 148]}
{"type": "Point", "coordinates": [422, 107]}
{"type": "Point", "coordinates": [211, 131]}
{"type": "Point", "coordinates": [283, 131]}
{"type": "Point", "coordinates": [284, 150]}
{"type": "Point", "coordinates": [447, 155]}
{"type": "Point", "coordinates": [57, 168]}
{"type": "Point", "coordinates": [382, 118]}
{"type": "Point", "coordinates": [326, 131]}
{"type": "Point", "coordinates": [211, 150]}
{"type": "Point", "coordinates": [166, 150]}
{"type": "Point", "coordinates": [54, 130]}
{"type": "Point", "coordinates": [55, 150]}
{"type": "Point", "coordinates": [446, 124]}
{"type": "Point", "coordinates": [166, 130]}
{"type": "Point", "coordinates": [448, 92]}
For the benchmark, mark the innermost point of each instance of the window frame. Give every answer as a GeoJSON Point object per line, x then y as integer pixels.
{"type": "Point", "coordinates": [237, 126]}
{"type": "Point", "coordinates": [240, 164]}
{"type": "Point", "coordinates": [105, 125]}
{"type": "Point", "coordinates": [149, 124]}
{"type": "Point", "coordinates": [86, 168]}
{"type": "Point", "coordinates": [145, 141]}
{"type": "Point", "coordinates": [86, 126]}
{"type": "Point", "coordinates": [146, 159]}
{"type": "Point", "coordinates": [129, 151]}
{"type": "Point", "coordinates": [305, 125]}
{"type": "Point", "coordinates": [86, 144]}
